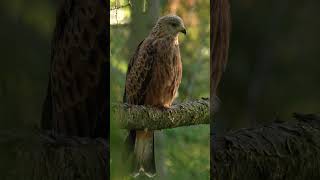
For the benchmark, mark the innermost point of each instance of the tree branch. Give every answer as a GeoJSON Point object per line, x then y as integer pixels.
{"type": "Point", "coordinates": [141, 117]}
{"type": "Point", "coordinates": [283, 150]}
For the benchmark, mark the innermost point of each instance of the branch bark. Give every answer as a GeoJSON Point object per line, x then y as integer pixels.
{"type": "Point", "coordinates": [141, 117]}
{"type": "Point", "coordinates": [283, 150]}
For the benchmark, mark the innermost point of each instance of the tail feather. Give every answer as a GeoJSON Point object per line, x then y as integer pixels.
{"type": "Point", "coordinates": [140, 145]}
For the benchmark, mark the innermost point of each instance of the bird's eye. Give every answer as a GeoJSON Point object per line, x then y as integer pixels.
{"type": "Point", "coordinates": [174, 24]}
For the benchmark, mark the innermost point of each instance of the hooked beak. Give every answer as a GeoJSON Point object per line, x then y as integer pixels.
{"type": "Point", "coordinates": [184, 31]}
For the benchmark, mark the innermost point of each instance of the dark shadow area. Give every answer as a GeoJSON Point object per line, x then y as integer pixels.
{"type": "Point", "coordinates": [273, 62]}
{"type": "Point", "coordinates": [272, 73]}
{"type": "Point", "coordinates": [28, 44]}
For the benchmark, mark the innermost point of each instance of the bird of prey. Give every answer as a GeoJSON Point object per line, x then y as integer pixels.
{"type": "Point", "coordinates": [153, 78]}
{"type": "Point", "coordinates": [76, 101]}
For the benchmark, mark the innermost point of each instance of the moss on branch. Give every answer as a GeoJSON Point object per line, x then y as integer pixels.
{"type": "Point", "coordinates": [183, 114]}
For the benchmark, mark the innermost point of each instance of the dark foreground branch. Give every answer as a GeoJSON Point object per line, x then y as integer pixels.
{"type": "Point", "coordinates": [141, 117]}
{"type": "Point", "coordinates": [286, 151]}
{"type": "Point", "coordinates": [38, 156]}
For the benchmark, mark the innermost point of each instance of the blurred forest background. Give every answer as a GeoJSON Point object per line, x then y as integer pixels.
{"type": "Point", "coordinates": [273, 68]}
{"type": "Point", "coordinates": [25, 33]}
{"type": "Point", "coordinates": [181, 153]}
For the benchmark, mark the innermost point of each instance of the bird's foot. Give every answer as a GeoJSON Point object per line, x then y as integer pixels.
{"type": "Point", "coordinates": [163, 108]}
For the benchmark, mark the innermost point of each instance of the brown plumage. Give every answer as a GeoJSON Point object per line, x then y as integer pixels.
{"type": "Point", "coordinates": [153, 77]}
{"type": "Point", "coordinates": [76, 102]}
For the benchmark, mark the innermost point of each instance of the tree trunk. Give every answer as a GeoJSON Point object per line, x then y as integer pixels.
{"type": "Point", "coordinates": [220, 25]}
{"type": "Point", "coordinates": [142, 21]}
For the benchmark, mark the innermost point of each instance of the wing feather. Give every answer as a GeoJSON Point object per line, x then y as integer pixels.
{"type": "Point", "coordinates": [139, 74]}
{"type": "Point", "coordinates": [132, 60]}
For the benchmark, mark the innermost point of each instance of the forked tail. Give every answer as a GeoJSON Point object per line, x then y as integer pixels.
{"type": "Point", "coordinates": [140, 145]}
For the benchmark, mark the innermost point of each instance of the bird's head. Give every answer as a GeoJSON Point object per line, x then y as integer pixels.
{"type": "Point", "coordinates": [170, 25]}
